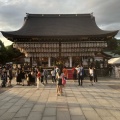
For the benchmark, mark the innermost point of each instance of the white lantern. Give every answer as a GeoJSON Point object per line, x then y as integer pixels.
{"type": "Point", "coordinates": [14, 45]}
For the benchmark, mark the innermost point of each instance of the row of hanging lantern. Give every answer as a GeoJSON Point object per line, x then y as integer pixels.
{"type": "Point", "coordinates": [36, 45]}
{"type": "Point", "coordinates": [80, 49]}
{"type": "Point", "coordinates": [78, 54]}
{"type": "Point", "coordinates": [57, 54]}
{"type": "Point", "coordinates": [42, 54]}
{"type": "Point", "coordinates": [41, 50]}
{"type": "Point", "coordinates": [91, 49]}
{"type": "Point", "coordinates": [52, 49]}
{"type": "Point", "coordinates": [62, 50]}
{"type": "Point", "coordinates": [84, 44]}
{"type": "Point", "coordinates": [94, 44]}
{"type": "Point", "coordinates": [63, 45]}
{"type": "Point", "coordinates": [57, 50]}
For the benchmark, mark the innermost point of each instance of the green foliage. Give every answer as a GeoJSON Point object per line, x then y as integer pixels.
{"type": "Point", "coordinates": [3, 54]}
{"type": "Point", "coordinates": [112, 44]}
{"type": "Point", "coordinates": [7, 54]}
{"type": "Point", "coordinates": [117, 50]}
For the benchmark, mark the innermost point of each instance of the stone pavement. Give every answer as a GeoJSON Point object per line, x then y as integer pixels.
{"type": "Point", "coordinates": [98, 102]}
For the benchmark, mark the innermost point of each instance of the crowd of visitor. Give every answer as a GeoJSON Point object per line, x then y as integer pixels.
{"type": "Point", "coordinates": [39, 76]}
{"type": "Point", "coordinates": [36, 77]}
{"type": "Point", "coordinates": [79, 74]}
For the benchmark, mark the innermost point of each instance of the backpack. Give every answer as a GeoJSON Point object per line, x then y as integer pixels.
{"type": "Point", "coordinates": [63, 80]}
{"type": "Point", "coordinates": [45, 72]}
{"type": "Point", "coordinates": [81, 72]}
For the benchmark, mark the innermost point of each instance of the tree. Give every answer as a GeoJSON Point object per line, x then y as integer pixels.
{"type": "Point", "coordinates": [117, 50]}
{"type": "Point", "coordinates": [112, 44]}
{"type": "Point", "coordinates": [7, 54]}
{"type": "Point", "coordinates": [3, 54]}
{"type": "Point", "coordinates": [12, 53]}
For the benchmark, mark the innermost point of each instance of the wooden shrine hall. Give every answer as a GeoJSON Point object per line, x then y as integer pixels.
{"type": "Point", "coordinates": [60, 38]}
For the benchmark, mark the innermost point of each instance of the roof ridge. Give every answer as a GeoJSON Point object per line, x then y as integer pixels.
{"type": "Point", "coordinates": [58, 15]}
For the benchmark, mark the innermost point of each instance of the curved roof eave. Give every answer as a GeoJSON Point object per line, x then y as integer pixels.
{"type": "Point", "coordinates": [13, 34]}
{"type": "Point", "coordinates": [10, 35]}
{"type": "Point", "coordinates": [54, 25]}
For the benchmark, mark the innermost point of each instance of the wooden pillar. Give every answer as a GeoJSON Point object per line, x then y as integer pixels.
{"type": "Point", "coordinates": [49, 61]}
{"type": "Point", "coordinates": [70, 59]}
{"type": "Point", "coordinates": [31, 61]}
{"type": "Point", "coordinates": [59, 49]}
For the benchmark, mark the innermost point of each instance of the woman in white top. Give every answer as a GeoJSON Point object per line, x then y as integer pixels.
{"type": "Point", "coordinates": [91, 74]}
{"type": "Point", "coordinates": [53, 76]}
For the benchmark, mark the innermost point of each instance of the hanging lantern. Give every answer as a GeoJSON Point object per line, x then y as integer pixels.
{"type": "Point", "coordinates": [26, 54]}
{"type": "Point", "coordinates": [14, 45]}
{"type": "Point", "coordinates": [37, 54]}
{"type": "Point", "coordinates": [90, 44]}
{"type": "Point", "coordinates": [105, 44]}
{"type": "Point", "coordinates": [21, 50]}
{"type": "Point", "coordinates": [34, 55]}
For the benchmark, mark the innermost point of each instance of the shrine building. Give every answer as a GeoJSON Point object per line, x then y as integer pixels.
{"type": "Point", "coordinates": [52, 39]}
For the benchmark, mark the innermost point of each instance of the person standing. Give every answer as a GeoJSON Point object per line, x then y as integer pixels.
{"type": "Point", "coordinates": [4, 78]}
{"type": "Point", "coordinates": [42, 76]}
{"type": "Point", "coordinates": [53, 76]}
{"type": "Point", "coordinates": [57, 70]}
{"type": "Point", "coordinates": [65, 71]}
{"type": "Point", "coordinates": [10, 76]}
{"type": "Point", "coordinates": [110, 70]}
{"type": "Point", "coordinates": [59, 75]}
{"type": "Point", "coordinates": [116, 72]}
{"type": "Point", "coordinates": [95, 74]}
{"type": "Point", "coordinates": [23, 76]}
{"type": "Point", "coordinates": [46, 75]}
{"type": "Point", "coordinates": [91, 74]}
{"type": "Point", "coordinates": [74, 72]}
{"type": "Point", "coordinates": [18, 77]}
{"type": "Point", "coordinates": [77, 68]}
{"type": "Point", "coordinates": [38, 78]}
{"type": "Point", "coordinates": [33, 78]}
{"type": "Point", "coordinates": [80, 75]}
{"type": "Point", "coordinates": [28, 77]}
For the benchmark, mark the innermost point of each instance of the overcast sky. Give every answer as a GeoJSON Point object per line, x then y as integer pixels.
{"type": "Point", "coordinates": [12, 12]}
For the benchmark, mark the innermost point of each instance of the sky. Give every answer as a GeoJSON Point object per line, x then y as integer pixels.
{"type": "Point", "coordinates": [12, 12]}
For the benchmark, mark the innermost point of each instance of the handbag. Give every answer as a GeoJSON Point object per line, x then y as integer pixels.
{"type": "Point", "coordinates": [63, 81]}
{"type": "Point", "coordinates": [27, 78]}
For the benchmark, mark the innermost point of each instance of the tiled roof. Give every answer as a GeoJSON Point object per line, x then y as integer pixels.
{"type": "Point", "coordinates": [113, 55]}
{"type": "Point", "coordinates": [38, 25]}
